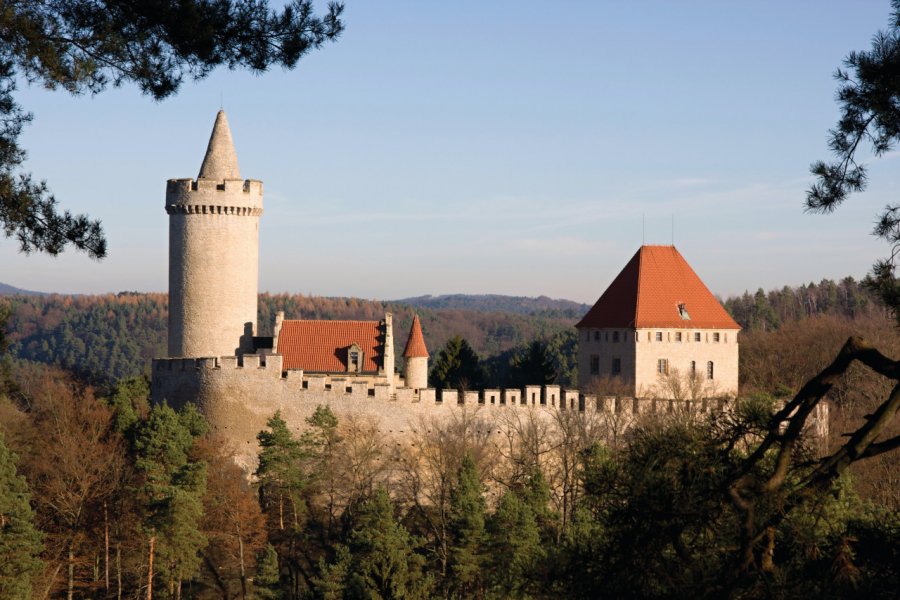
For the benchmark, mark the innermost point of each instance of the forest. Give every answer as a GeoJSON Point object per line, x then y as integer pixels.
{"type": "Point", "coordinates": [105, 496]}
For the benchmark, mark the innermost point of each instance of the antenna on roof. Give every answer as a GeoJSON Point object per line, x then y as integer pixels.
{"type": "Point", "coordinates": [221, 100]}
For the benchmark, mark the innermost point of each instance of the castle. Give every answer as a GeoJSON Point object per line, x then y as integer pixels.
{"type": "Point", "coordinates": [657, 329]}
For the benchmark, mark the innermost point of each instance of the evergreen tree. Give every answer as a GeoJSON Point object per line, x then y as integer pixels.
{"type": "Point", "coordinates": [515, 546]}
{"type": "Point", "coordinates": [20, 541]}
{"type": "Point", "coordinates": [467, 530]}
{"type": "Point", "coordinates": [332, 581]}
{"type": "Point", "coordinates": [385, 564]}
{"type": "Point", "coordinates": [172, 490]}
{"type": "Point", "coordinates": [532, 365]}
{"type": "Point", "coordinates": [266, 584]}
{"type": "Point", "coordinates": [130, 400]}
{"type": "Point", "coordinates": [457, 367]}
{"type": "Point", "coordinates": [280, 473]}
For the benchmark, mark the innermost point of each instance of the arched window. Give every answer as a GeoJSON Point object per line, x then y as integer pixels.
{"type": "Point", "coordinates": [709, 370]}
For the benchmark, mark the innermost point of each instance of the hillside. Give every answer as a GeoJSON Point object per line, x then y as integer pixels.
{"type": "Point", "coordinates": [9, 290]}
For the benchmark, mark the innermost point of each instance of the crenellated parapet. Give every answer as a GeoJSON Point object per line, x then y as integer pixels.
{"type": "Point", "coordinates": [262, 376]}
{"type": "Point", "coordinates": [206, 196]}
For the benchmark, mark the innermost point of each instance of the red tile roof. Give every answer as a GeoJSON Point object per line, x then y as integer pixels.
{"type": "Point", "coordinates": [415, 345]}
{"type": "Point", "coordinates": [321, 346]}
{"type": "Point", "coordinates": [649, 291]}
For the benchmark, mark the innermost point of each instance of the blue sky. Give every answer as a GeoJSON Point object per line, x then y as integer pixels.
{"type": "Point", "coordinates": [490, 147]}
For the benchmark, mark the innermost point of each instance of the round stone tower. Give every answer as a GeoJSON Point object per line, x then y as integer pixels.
{"type": "Point", "coordinates": [213, 254]}
{"type": "Point", "coordinates": [415, 357]}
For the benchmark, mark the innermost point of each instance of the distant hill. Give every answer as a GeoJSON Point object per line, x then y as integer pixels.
{"type": "Point", "coordinates": [9, 290]}
{"type": "Point", "coordinates": [521, 305]}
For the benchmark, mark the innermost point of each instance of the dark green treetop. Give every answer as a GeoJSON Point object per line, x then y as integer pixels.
{"type": "Point", "coordinates": [457, 367]}
{"type": "Point", "coordinates": [20, 541]}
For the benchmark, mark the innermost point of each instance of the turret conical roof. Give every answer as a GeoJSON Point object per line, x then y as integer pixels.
{"type": "Point", "coordinates": [221, 160]}
{"type": "Point", "coordinates": [415, 345]}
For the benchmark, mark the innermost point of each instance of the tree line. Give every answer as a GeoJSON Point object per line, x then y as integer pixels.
{"type": "Point", "coordinates": [847, 299]}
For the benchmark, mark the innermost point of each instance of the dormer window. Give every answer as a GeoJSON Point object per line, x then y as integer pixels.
{"type": "Point", "coordinates": [354, 358]}
{"type": "Point", "coordinates": [682, 312]}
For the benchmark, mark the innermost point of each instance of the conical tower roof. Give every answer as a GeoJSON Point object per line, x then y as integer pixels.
{"type": "Point", "coordinates": [415, 345]}
{"type": "Point", "coordinates": [658, 288]}
{"type": "Point", "coordinates": [221, 160]}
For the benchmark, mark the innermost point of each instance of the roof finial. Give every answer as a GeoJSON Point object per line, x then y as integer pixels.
{"type": "Point", "coordinates": [220, 161]}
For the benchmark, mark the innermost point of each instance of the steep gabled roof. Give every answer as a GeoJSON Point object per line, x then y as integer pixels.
{"type": "Point", "coordinates": [415, 345]}
{"type": "Point", "coordinates": [221, 161]}
{"type": "Point", "coordinates": [321, 346]}
{"type": "Point", "coordinates": [658, 288]}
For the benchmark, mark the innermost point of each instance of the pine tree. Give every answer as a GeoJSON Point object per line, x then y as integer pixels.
{"type": "Point", "coordinates": [172, 490]}
{"type": "Point", "coordinates": [385, 564]}
{"type": "Point", "coordinates": [280, 473]}
{"type": "Point", "coordinates": [20, 541]}
{"type": "Point", "coordinates": [532, 366]}
{"type": "Point", "coordinates": [515, 546]}
{"type": "Point", "coordinates": [467, 530]}
{"type": "Point", "coordinates": [457, 367]}
{"type": "Point", "coordinates": [267, 581]}
{"type": "Point", "coordinates": [332, 581]}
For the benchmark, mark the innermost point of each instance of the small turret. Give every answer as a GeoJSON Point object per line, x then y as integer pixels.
{"type": "Point", "coordinates": [415, 357]}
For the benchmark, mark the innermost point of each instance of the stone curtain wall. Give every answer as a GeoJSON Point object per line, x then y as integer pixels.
{"type": "Point", "coordinates": [239, 399]}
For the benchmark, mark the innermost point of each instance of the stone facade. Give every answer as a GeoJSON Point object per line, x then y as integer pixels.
{"type": "Point", "coordinates": [649, 360]}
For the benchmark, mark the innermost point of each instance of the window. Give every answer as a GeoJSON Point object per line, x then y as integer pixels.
{"type": "Point", "coordinates": [595, 364]}
{"type": "Point", "coordinates": [716, 337]}
{"type": "Point", "coordinates": [354, 358]}
{"type": "Point", "coordinates": [697, 337]}
{"type": "Point", "coordinates": [615, 336]}
{"type": "Point", "coordinates": [616, 366]}
{"type": "Point", "coordinates": [709, 370]}
{"type": "Point", "coordinates": [606, 336]}
{"type": "Point", "coordinates": [677, 336]}
{"type": "Point", "coordinates": [596, 336]}
{"type": "Point", "coordinates": [659, 336]}
{"type": "Point", "coordinates": [662, 366]}
{"type": "Point", "coordinates": [693, 368]}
